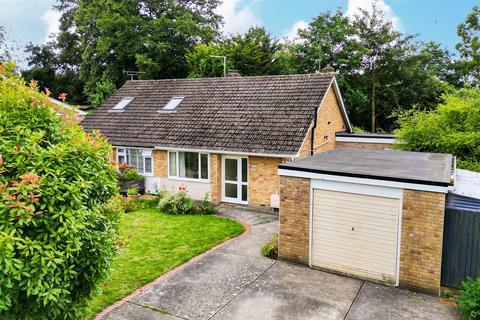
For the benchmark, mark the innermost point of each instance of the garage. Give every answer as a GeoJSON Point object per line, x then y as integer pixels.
{"type": "Point", "coordinates": [371, 214]}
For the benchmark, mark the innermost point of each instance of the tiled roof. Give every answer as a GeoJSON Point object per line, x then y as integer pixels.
{"type": "Point", "coordinates": [267, 114]}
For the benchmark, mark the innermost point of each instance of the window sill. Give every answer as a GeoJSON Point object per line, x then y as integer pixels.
{"type": "Point", "coordinates": [189, 179]}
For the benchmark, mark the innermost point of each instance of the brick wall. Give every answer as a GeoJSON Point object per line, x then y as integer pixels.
{"type": "Point", "coordinates": [378, 146]}
{"type": "Point", "coordinates": [422, 237]}
{"type": "Point", "coordinates": [215, 177]}
{"type": "Point", "coordinates": [160, 163]}
{"type": "Point", "coordinates": [329, 121]}
{"type": "Point", "coordinates": [294, 219]}
{"type": "Point", "coordinates": [263, 179]}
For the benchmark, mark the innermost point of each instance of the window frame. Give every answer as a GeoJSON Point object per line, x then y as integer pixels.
{"type": "Point", "coordinates": [177, 166]}
{"type": "Point", "coordinates": [144, 153]}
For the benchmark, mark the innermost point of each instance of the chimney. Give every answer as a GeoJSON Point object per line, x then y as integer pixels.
{"type": "Point", "coordinates": [328, 69]}
{"type": "Point", "coordinates": [233, 73]}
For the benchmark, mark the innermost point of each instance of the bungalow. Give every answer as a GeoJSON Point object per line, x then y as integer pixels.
{"type": "Point", "coordinates": [222, 136]}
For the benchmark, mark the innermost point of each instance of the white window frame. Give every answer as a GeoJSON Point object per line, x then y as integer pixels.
{"type": "Point", "coordinates": [145, 153]}
{"type": "Point", "coordinates": [177, 167]}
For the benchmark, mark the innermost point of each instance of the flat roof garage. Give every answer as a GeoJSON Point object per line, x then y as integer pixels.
{"type": "Point", "coordinates": [374, 214]}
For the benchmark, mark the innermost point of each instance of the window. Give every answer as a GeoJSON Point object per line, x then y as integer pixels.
{"type": "Point", "coordinates": [188, 165]}
{"type": "Point", "coordinates": [141, 159]}
{"type": "Point", "coordinates": [172, 104]}
{"type": "Point", "coordinates": [120, 107]}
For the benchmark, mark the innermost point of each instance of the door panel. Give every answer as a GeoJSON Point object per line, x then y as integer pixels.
{"type": "Point", "coordinates": [235, 179]}
{"type": "Point", "coordinates": [356, 234]}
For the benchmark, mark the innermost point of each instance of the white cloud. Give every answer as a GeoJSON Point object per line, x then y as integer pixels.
{"type": "Point", "coordinates": [238, 16]}
{"type": "Point", "coordinates": [355, 5]}
{"type": "Point", "coordinates": [292, 33]}
{"type": "Point", "coordinates": [52, 19]}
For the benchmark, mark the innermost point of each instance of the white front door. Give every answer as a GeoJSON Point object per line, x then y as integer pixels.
{"type": "Point", "coordinates": [235, 179]}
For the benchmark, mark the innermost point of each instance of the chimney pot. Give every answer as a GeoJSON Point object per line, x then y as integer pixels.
{"type": "Point", "coordinates": [233, 73]}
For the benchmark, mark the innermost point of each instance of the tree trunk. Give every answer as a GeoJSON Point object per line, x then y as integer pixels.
{"type": "Point", "coordinates": [373, 104]}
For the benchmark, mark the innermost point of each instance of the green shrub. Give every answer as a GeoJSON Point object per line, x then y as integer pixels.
{"type": "Point", "coordinates": [135, 204]}
{"type": "Point", "coordinates": [128, 173]}
{"type": "Point", "coordinates": [469, 299]}
{"type": "Point", "coordinates": [132, 192]}
{"type": "Point", "coordinates": [205, 206]}
{"type": "Point", "coordinates": [270, 248]}
{"type": "Point", "coordinates": [176, 203]}
{"type": "Point", "coordinates": [58, 216]}
{"type": "Point", "coordinates": [452, 128]}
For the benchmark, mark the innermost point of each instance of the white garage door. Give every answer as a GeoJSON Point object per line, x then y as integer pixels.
{"type": "Point", "coordinates": [355, 234]}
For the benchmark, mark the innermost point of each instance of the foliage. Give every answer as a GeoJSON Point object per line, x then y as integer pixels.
{"type": "Point", "coordinates": [469, 299]}
{"type": "Point", "coordinates": [469, 47]}
{"type": "Point", "coordinates": [100, 39]}
{"type": "Point", "coordinates": [127, 173]}
{"type": "Point", "coordinates": [132, 192]}
{"type": "Point", "coordinates": [380, 69]}
{"type": "Point", "coordinates": [205, 206]}
{"type": "Point", "coordinates": [453, 128]}
{"type": "Point", "coordinates": [143, 202]}
{"type": "Point", "coordinates": [176, 203]}
{"type": "Point", "coordinates": [270, 248]}
{"type": "Point", "coordinates": [101, 92]}
{"type": "Point", "coordinates": [157, 243]}
{"type": "Point", "coordinates": [254, 53]}
{"type": "Point", "coordinates": [5, 50]}
{"type": "Point", "coordinates": [58, 219]}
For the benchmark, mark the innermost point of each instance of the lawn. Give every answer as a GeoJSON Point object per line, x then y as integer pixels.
{"type": "Point", "coordinates": [157, 243]}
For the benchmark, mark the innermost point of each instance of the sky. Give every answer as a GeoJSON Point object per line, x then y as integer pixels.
{"type": "Point", "coordinates": [34, 20]}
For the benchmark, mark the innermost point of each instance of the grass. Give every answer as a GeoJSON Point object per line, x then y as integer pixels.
{"type": "Point", "coordinates": [158, 243]}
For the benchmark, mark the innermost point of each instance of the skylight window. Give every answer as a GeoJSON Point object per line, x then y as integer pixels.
{"type": "Point", "coordinates": [172, 104]}
{"type": "Point", "coordinates": [120, 107]}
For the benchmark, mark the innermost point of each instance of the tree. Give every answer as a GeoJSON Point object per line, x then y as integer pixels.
{"type": "Point", "coordinates": [330, 39]}
{"type": "Point", "coordinates": [58, 216]}
{"type": "Point", "coordinates": [469, 47]}
{"type": "Point", "coordinates": [254, 53]}
{"type": "Point", "coordinates": [99, 39]}
{"type": "Point", "coordinates": [454, 127]}
{"type": "Point", "coordinates": [5, 50]}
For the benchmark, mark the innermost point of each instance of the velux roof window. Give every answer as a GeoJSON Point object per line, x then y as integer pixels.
{"type": "Point", "coordinates": [120, 107]}
{"type": "Point", "coordinates": [172, 104]}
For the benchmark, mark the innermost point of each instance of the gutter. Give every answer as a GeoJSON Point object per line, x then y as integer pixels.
{"type": "Point", "coordinates": [271, 155]}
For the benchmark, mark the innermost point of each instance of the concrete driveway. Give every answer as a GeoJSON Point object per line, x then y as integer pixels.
{"type": "Point", "coordinates": [236, 282]}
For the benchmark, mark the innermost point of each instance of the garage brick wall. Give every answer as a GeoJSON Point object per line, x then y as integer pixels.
{"type": "Point", "coordinates": [160, 164]}
{"type": "Point", "coordinates": [294, 219]}
{"type": "Point", "coordinates": [422, 237]}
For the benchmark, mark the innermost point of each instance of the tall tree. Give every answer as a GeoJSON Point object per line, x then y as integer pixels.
{"type": "Point", "coordinates": [254, 53]}
{"type": "Point", "coordinates": [469, 47]}
{"type": "Point", "coordinates": [99, 39]}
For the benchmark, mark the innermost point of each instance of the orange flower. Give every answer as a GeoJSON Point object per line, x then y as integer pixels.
{"type": "Point", "coordinates": [30, 177]}
{"type": "Point", "coordinates": [63, 96]}
{"type": "Point", "coordinates": [33, 84]}
{"type": "Point", "coordinates": [47, 91]}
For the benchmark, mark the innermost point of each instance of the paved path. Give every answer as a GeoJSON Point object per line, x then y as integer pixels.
{"type": "Point", "coordinates": [236, 282]}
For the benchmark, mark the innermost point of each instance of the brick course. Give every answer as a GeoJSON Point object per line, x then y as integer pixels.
{"type": "Point", "coordinates": [264, 180]}
{"type": "Point", "coordinates": [160, 163]}
{"type": "Point", "coordinates": [293, 240]}
{"type": "Point", "coordinates": [329, 121]}
{"type": "Point", "coordinates": [378, 146]}
{"type": "Point", "coordinates": [422, 237]}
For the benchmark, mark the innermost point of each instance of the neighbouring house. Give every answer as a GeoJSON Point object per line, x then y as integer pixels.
{"type": "Point", "coordinates": [381, 141]}
{"type": "Point", "coordinates": [222, 136]}
{"type": "Point", "coordinates": [373, 214]}
{"type": "Point", "coordinates": [78, 114]}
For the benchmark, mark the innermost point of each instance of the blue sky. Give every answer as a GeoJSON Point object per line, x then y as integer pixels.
{"type": "Point", "coordinates": [32, 20]}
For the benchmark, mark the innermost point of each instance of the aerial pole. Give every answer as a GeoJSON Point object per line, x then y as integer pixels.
{"type": "Point", "coordinates": [224, 64]}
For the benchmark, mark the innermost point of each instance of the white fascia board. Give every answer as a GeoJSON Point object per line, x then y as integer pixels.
{"type": "Point", "coordinates": [227, 152]}
{"type": "Point", "coordinates": [340, 99]}
{"type": "Point", "coordinates": [373, 182]}
{"type": "Point", "coordinates": [366, 140]}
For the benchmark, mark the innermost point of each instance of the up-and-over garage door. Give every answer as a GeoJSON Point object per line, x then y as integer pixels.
{"type": "Point", "coordinates": [356, 234]}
